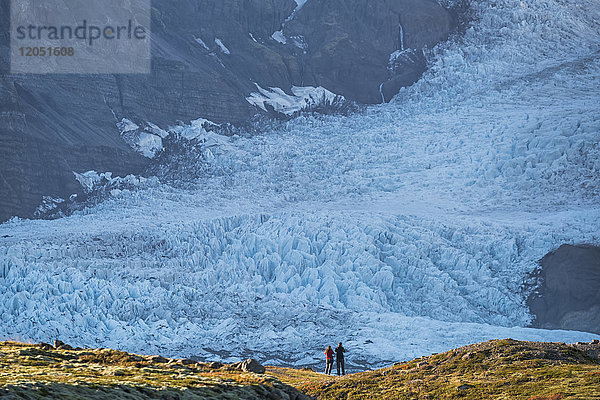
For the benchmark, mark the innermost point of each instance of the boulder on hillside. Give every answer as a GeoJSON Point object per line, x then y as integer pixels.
{"type": "Point", "coordinates": [60, 345]}
{"type": "Point", "coordinates": [249, 365]}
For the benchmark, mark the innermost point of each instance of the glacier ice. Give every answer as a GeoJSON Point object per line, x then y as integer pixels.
{"type": "Point", "coordinates": [407, 229]}
{"type": "Point", "coordinates": [147, 143]}
{"type": "Point", "coordinates": [302, 99]}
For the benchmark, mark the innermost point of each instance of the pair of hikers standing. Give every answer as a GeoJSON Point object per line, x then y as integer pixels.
{"type": "Point", "coordinates": [339, 358]}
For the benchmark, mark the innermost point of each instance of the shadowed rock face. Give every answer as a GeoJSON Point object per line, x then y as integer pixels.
{"type": "Point", "coordinates": [51, 125]}
{"type": "Point", "coordinates": [349, 43]}
{"type": "Point", "coordinates": [569, 292]}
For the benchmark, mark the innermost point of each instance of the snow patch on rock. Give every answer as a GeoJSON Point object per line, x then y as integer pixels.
{"type": "Point", "coordinates": [91, 179]}
{"type": "Point", "coordinates": [222, 47]}
{"type": "Point", "coordinates": [302, 98]}
{"type": "Point", "coordinates": [146, 143]}
{"type": "Point", "coordinates": [201, 43]}
{"type": "Point", "coordinates": [197, 129]}
{"type": "Point", "coordinates": [279, 37]}
{"type": "Point", "coordinates": [49, 204]}
{"type": "Point", "coordinates": [156, 130]}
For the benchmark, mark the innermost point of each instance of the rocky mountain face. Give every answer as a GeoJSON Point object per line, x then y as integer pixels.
{"type": "Point", "coordinates": [208, 57]}
{"type": "Point", "coordinates": [361, 48]}
{"type": "Point", "coordinates": [568, 295]}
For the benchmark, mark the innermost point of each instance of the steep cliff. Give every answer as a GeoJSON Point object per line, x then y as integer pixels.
{"type": "Point", "coordinates": [568, 295]}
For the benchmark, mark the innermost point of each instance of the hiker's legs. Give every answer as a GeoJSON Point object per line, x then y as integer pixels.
{"type": "Point", "coordinates": [328, 367]}
{"type": "Point", "coordinates": [343, 369]}
{"type": "Point", "coordinates": [337, 363]}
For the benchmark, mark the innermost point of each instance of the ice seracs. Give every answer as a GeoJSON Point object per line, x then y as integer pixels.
{"type": "Point", "coordinates": [90, 179]}
{"type": "Point", "coordinates": [301, 99]}
{"type": "Point", "coordinates": [146, 143]}
{"type": "Point", "coordinates": [156, 130]}
{"type": "Point", "coordinates": [197, 129]}
{"type": "Point", "coordinates": [126, 126]}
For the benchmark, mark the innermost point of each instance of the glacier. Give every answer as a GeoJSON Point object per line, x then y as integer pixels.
{"type": "Point", "coordinates": [146, 142]}
{"type": "Point", "coordinates": [403, 230]}
{"type": "Point", "coordinates": [303, 98]}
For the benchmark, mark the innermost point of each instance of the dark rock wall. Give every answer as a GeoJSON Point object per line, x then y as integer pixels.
{"type": "Point", "coordinates": [349, 42]}
{"type": "Point", "coordinates": [51, 125]}
{"type": "Point", "coordinates": [569, 293]}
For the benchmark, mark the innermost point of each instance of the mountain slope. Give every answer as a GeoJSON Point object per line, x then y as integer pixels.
{"type": "Point", "coordinates": [40, 371]}
{"type": "Point", "coordinates": [207, 57]}
{"type": "Point", "coordinates": [491, 370]}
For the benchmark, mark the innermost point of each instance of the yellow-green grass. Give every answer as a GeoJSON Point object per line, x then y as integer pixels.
{"type": "Point", "coordinates": [34, 371]}
{"type": "Point", "coordinates": [499, 369]}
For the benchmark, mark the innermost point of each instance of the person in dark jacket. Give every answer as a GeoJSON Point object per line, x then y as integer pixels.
{"type": "Point", "coordinates": [329, 360]}
{"type": "Point", "coordinates": [339, 358]}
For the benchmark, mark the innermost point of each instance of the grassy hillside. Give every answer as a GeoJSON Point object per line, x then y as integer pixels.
{"type": "Point", "coordinates": [42, 372]}
{"type": "Point", "coordinates": [499, 369]}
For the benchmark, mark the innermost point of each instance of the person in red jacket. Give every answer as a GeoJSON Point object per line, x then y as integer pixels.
{"type": "Point", "coordinates": [329, 360]}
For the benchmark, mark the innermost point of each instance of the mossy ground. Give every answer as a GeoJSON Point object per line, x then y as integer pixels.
{"type": "Point", "coordinates": [32, 372]}
{"type": "Point", "coordinates": [499, 369]}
